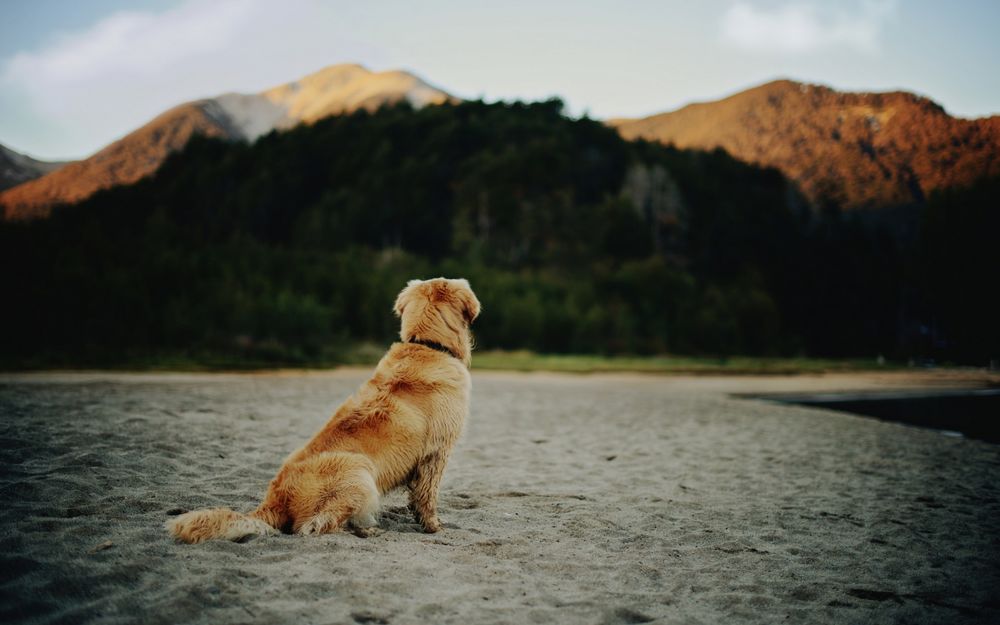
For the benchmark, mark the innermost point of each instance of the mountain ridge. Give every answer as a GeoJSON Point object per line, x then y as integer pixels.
{"type": "Point", "coordinates": [17, 168]}
{"type": "Point", "coordinates": [334, 89]}
{"type": "Point", "coordinates": [850, 149]}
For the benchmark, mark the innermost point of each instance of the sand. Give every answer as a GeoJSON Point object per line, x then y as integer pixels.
{"type": "Point", "coordinates": [570, 499]}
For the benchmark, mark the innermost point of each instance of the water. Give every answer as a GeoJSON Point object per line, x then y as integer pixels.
{"type": "Point", "coordinates": [970, 413]}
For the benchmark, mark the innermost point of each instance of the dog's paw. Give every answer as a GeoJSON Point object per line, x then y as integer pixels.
{"type": "Point", "coordinates": [432, 525]}
{"type": "Point", "coordinates": [367, 532]}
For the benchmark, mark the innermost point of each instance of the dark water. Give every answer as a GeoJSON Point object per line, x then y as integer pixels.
{"type": "Point", "coordinates": [971, 413]}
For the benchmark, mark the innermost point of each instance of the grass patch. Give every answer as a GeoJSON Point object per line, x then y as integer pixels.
{"type": "Point", "coordinates": [368, 354]}
{"type": "Point", "coordinates": [735, 365]}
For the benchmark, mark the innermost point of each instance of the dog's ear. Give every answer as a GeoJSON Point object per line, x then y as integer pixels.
{"type": "Point", "coordinates": [404, 297]}
{"type": "Point", "coordinates": [467, 299]}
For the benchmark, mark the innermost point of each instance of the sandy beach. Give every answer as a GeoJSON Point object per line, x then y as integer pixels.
{"type": "Point", "coordinates": [570, 499]}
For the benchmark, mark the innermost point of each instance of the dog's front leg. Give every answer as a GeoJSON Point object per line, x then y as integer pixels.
{"type": "Point", "coordinates": [424, 490]}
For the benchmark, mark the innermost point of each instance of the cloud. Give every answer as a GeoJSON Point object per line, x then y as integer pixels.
{"type": "Point", "coordinates": [107, 79]}
{"type": "Point", "coordinates": [802, 27]}
{"type": "Point", "coordinates": [131, 43]}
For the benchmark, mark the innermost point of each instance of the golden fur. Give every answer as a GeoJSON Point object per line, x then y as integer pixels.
{"type": "Point", "coordinates": [396, 430]}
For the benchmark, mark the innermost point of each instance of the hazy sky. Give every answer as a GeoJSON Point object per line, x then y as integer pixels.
{"type": "Point", "coordinates": [77, 74]}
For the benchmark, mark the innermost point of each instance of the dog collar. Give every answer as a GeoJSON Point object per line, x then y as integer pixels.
{"type": "Point", "coordinates": [439, 347]}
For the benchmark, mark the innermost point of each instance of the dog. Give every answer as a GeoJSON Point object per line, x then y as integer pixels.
{"type": "Point", "coordinates": [397, 430]}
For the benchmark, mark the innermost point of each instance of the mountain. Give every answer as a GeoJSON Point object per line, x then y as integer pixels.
{"type": "Point", "coordinates": [16, 168]}
{"type": "Point", "coordinates": [854, 150]}
{"type": "Point", "coordinates": [335, 89]}
{"type": "Point", "coordinates": [127, 160]}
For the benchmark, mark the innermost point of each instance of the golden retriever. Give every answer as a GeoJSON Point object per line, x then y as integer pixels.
{"type": "Point", "coordinates": [396, 430]}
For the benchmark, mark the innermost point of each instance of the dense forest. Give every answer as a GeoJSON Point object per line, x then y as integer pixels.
{"type": "Point", "coordinates": [291, 250]}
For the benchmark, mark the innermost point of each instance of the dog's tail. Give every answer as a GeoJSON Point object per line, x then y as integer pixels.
{"type": "Point", "coordinates": [201, 525]}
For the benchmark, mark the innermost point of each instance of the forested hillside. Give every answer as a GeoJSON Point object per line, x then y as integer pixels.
{"type": "Point", "coordinates": [291, 250]}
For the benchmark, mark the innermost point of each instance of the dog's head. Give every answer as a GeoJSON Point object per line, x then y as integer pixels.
{"type": "Point", "coordinates": [438, 310]}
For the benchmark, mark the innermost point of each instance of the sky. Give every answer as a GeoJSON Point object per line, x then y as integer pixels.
{"type": "Point", "coordinates": [78, 74]}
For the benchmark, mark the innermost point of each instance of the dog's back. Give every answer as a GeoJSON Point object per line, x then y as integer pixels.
{"type": "Point", "coordinates": [414, 406]}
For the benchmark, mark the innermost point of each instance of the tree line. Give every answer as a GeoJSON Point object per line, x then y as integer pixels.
{"type": "Point", "coordinates": [291, 250]}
